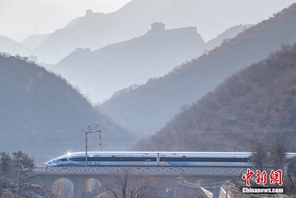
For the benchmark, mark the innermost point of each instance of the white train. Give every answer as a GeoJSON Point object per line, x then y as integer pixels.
{"type": "Point", "coordinates": [96, 158]}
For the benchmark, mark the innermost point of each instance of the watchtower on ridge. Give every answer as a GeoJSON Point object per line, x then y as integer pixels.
{"type": "Point", "coordinates": [157, 27]}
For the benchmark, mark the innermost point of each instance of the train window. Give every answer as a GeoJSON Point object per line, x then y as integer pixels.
{"type": "Point", "coordinates": [153, 159]}
{"type": "Point", "coordinates": [192, 159]}
{"type": "Point", "coordinates": [64, 159]}
{"type": "Point", "coordinates": [78, 159]}
{"type": "Point", "coordinates": [137, 159]}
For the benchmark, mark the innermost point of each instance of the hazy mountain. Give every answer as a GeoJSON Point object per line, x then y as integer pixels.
{"type": "Point", "coordinates": [223, 37]}
{"type": "Point", "coordinates": [96, 30]}
{"type": "Point", "coordinates": [13, 47]}
{"type": "Point", "coordinates": [121, 65]}
{"type": "Point", "coordinates": [42, 115]}
{"type": "Point", "coordinates": [147, 108]}
{"type": "Point", "coordinates": [257, 103]}
{"type": "Point", "coordinates": [102, 72]}
{"type": "Point", "coordinates": [34, 40]}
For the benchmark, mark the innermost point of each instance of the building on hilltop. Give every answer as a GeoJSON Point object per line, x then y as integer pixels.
{"type": "Point", "coordinates": [88, 12]}
{"type": "Point", "coordinates": [157, 26]}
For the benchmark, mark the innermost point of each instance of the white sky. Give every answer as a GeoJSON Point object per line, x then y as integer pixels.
{"type": "Point", "coordinates": [21, 18]}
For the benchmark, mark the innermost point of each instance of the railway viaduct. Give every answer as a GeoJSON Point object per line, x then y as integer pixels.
{"type": "Point", "coordinates": [85, 182]}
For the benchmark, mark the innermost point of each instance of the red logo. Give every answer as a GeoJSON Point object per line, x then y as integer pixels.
{"type": "Point", "coordinates": [247, 176]}
{"type": "Point", "coordinates": [276, 177]}
{"type": "Point", "coordinates": [261, 177]}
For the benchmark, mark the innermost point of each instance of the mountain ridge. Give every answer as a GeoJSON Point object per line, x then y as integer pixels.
{"type": "Point", "coordinates": [13, 47]}
{"type": "Point", "coordinates": [122, 64]}
{"type": "Point", "coordinates": [95, 30]}
{"type": "Point", "coordinates": [42, 115]}
{"type": "Point", "coordinates": [151, 105]}
{"type": "Point", "coordinates": [255, 104]}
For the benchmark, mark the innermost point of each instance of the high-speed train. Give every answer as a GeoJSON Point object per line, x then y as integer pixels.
{"type": "Point", "coordinates": [226, 159]}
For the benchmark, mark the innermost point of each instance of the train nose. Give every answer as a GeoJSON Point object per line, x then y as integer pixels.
{"type": "Point", "coordinates": [50, 163]}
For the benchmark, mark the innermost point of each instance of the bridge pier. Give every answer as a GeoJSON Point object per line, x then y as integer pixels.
{"type": "Point", "coordinates": [217, 183]}
{"type": "Point", "coordinates": [78, 187]}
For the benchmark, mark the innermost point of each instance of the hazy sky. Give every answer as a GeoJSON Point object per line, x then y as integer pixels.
{"type": "Point", "coordinates": [21, 18]}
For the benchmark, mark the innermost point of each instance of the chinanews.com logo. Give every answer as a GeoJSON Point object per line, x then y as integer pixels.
{"type": "Point", "coordinates": [275, 177]}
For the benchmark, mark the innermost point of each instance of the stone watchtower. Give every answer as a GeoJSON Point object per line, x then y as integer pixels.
{"type": "Point", "coordinates": [88, 12]}
{"type": "Point", "coordinates": [157, 27]}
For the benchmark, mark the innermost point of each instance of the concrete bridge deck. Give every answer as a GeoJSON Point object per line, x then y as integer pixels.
{"type": "Point", "coordinates": [78, 176]}
{"type": "Point", "coordinates": [157, 170]}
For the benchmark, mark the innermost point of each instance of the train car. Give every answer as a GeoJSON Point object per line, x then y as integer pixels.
{"type": "Point", "coordinates": [106, 159]}
{"type": "Point", "coordinates": [290, 155]}
{"type": "Point", "coordinates": [220, 159]}
{"type": "Point", "coordinates": [210, 159]}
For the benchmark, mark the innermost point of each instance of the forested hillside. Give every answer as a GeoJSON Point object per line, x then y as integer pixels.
{"type": "Point", "coordinates": [257, 103]}
{"type": "Point", "coordinates": [147, 108]}
{"type": "Point", "coordinates": [42, 115]}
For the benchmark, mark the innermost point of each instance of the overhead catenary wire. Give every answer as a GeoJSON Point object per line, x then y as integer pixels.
{"type": "Point", "coordinates": [26, 132]}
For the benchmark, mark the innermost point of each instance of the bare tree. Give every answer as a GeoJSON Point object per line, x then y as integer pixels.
{"type": "Point", "coordinates": [277, 154]}
{"type": "Point", "coordinates": [125, 184]}
{"type": "Point", "coordinates": [259, 156]}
